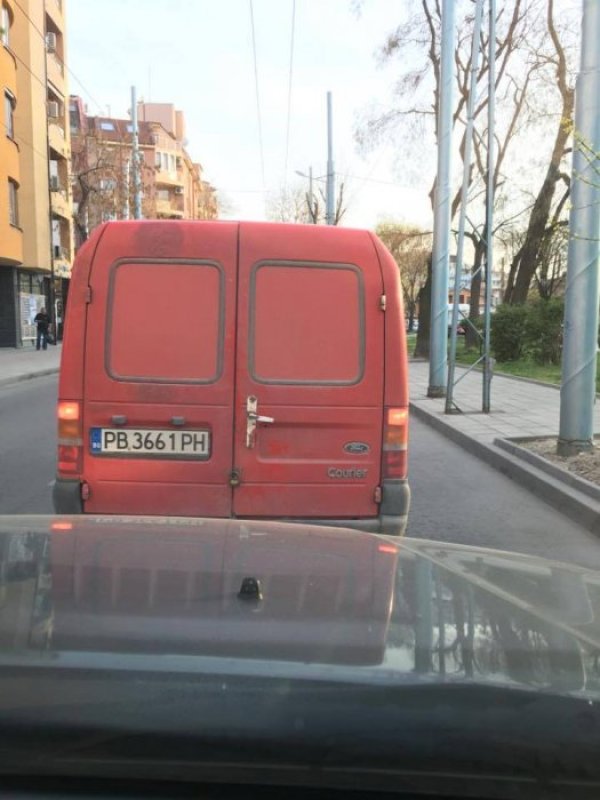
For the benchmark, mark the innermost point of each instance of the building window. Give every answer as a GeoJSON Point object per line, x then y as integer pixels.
{"type": "Point", "coordinates": [5, 26]}
{"type": "Point", "coordinates": [13, 208]}
{"type": "Point", "coordinates": [9, 107]}
{"type": "Point", "coordinates": [107, 126]}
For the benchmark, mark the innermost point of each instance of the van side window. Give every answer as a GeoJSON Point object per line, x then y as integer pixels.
{"type": "Point", "coordinates": [306, 324]}
{"type": "Point", "coordinates": [165, 322]}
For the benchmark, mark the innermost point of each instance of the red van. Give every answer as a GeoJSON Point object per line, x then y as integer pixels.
{"type": "Point", "coordinates": [234, 369]}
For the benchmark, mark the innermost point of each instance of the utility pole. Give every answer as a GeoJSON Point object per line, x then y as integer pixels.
{"type": "Point", "coordinates": [330, 192]}
{"type": "Point", "coordinates": [464, 198]}
{"type": "Point", "coordinates": [489, 210]}
{"type": "Point", "coordinates": [577, 393]}
{"type": "Point", "coordinates": [136, 166]}
{"type": "Point", "coordinates": [438, 360]}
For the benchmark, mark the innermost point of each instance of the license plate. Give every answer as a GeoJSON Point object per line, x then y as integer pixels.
{"type": "Point", "coordinates": [144, 442]}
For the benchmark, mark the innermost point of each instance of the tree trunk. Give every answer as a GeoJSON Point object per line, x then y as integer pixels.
{"type": "Point", "coordinates": [422, 345]}
{"type": "Point", "coordinates": [528, 256]}
{"type": "Point", "coordinates": [471, 338]}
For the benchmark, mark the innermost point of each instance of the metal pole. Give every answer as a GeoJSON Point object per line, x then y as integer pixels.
{"type": "Point", "coordinates": [330, 193]}
{"type": "Point", "coordinates": [125, 210]}
{"type": "Point", "coordinates": [441, 224]}
{"type": "Point", "coordinates": [460, 246]}
{"type": "Point", "coordinates": [312, 197]}
{"type": "Point", "coordinates": [137, 183]}
{"type": "Point", "coordinates": [489, 213]}
{"type": "Point", "coordinates": [578, 387]}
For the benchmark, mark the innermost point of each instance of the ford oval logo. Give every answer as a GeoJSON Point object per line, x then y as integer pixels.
{"type": "Point", "coordinates": [356, 448]}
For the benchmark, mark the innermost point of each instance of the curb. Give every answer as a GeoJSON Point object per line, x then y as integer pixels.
{"type": "Point", "coordinates": [564, 495]}
{"type": "Point", "coordinates": [570, 478]}
{"type": "Point", "coordinates": [27, 376]}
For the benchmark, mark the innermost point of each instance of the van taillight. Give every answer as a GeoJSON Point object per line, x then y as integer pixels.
{"type": "Point", "coordinates": [69, 437]}
{"type": "Point", "coordinates": [395, 440]}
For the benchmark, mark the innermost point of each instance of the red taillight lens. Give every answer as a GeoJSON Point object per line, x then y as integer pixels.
{"type": "Point", "coordinates": [69, 437]}
{"type": "Point", "coordinates": [68, 459]}
{"type": "Point", "coordinates": [395, 440]}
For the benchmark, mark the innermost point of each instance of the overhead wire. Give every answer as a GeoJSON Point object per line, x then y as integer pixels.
{"type": "Point", "coordinates": [61, 60]}
{"type": "Point", "coordinates": [260, 133]}
{"type": "Point", "coordinates": [289, 104]}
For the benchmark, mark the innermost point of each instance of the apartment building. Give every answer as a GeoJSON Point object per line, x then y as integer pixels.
{"type": "Point", "coordinates": [36, 239]}
{"type": "Point", "coordinates": [102, 173]}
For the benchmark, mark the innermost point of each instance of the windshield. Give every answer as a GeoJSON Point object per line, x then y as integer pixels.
{"type": "Point", "coordinates": [299, 335]}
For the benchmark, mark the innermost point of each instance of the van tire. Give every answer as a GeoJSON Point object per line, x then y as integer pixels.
{"type": "Point", "coordinates": [66, 497]}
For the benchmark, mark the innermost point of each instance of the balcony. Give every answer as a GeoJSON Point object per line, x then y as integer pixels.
{"type": "Point", "coordinates": [54, 9]}
{"type": "Point", "coordinates": [62, 261]}
{"type": "Point", "coordinates": [56, 139]}
{"type": "Point", "coordinates": [168, 209]}
{"type": "Point", "coordinates": [60, 204]}
{"type": "Point", "coordinates": [56, 71]}
{"type": "Point", "coordinates": [165, 178]}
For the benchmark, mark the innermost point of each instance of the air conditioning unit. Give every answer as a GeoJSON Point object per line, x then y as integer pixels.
{"type": "Point", "coordinates": [179, 190]}
{"type": "Point", "coordinates": [54, 183]}
{"type": "Point", "coordinates": [53, 109]}
{"type": "Point", "coordinates": [51, 42]}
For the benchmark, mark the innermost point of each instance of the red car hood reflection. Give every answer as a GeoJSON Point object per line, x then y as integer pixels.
{"type": "Point", "coordinates": [220, 587]}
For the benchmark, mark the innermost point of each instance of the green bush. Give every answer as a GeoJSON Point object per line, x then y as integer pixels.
{"type": "Point", "coordinates": [543, 331]}
{"type": "Point", "coordinates": [508, 332]}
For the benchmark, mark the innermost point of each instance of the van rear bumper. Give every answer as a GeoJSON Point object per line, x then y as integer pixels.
{"type": "Point", "coordinates": [66, 496]}
{"type": "Point", "coordinates": [392, 519]}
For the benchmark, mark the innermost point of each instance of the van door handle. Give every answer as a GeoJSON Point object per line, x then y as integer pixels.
{"type": "Point", "coordinates": [252, 420]}
{"type": "Point", "coordinates": [259, 418]}
{"type": "Point", "coordinates": [119, 419]}
{"type": "Point", "coordinates": [178, 421]}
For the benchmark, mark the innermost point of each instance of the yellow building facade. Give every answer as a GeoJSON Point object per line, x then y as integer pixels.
{"type": "Point", "coordinates": [36, 232]}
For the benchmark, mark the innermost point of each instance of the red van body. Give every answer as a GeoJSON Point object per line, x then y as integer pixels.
{"type": "Point", "coordinates": [235, 369]}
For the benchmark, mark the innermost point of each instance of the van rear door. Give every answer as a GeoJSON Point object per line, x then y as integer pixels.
{"type": "Point", "coordinates": [309, 374]}
{"type": "Point", "coordinates": [159, 370]}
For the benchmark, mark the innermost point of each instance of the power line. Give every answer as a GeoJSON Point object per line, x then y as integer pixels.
{"type": "Point", "coordinates": [62, 61]}
{"type": "Point", "coordinates": [289, 107]}
{"type": "Point", "coordinates": [260, 136]}
{"type": "Point", "coordinates": [19, 140]}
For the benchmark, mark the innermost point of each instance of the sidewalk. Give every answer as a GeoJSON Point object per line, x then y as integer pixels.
{"type": "Point", "coordinates": [18, 364]}
{"type": "Point", "coordinates": [519, 410]}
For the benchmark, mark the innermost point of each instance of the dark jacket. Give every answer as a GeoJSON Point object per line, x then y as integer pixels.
{"type": "Point", "coordinates": [43, 321]}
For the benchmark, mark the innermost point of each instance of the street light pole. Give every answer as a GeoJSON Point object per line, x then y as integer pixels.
{"type": "Point", "coordinates": [137, 183]}
{"type": "Point", "coordinates": [330, 192]}
{"type": "Point", "coordinates": [578, 389]}
{"type": "Point", "coordinates": [438, 359]}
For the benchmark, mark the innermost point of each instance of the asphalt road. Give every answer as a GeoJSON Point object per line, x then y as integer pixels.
{"type": "Point", "coordinates": [27, 445]}
{"type": "Point", "coordinates": [456, 497]}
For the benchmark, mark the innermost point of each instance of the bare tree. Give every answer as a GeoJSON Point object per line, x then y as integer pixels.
{"type": "Point", "coordinates": [410, 248]}
{"type": "Point", "coordinates": [523, 95]}
{"type": "Point", "coordinates": [526, 261]}
{"type": "Point", "coordinates": [102, 189]}
{"type": "Point", "coordinates": [294, 204]}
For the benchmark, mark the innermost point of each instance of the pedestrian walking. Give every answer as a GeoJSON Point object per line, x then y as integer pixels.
{"type": "Point", "coordinates": [43, 323]}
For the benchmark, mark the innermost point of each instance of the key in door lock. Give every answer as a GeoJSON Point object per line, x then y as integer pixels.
{"type": "Point", "coordinates": [252, 419]}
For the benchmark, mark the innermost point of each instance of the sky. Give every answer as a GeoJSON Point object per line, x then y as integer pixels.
{"type": "Point", "coordinates": [198, 55]}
